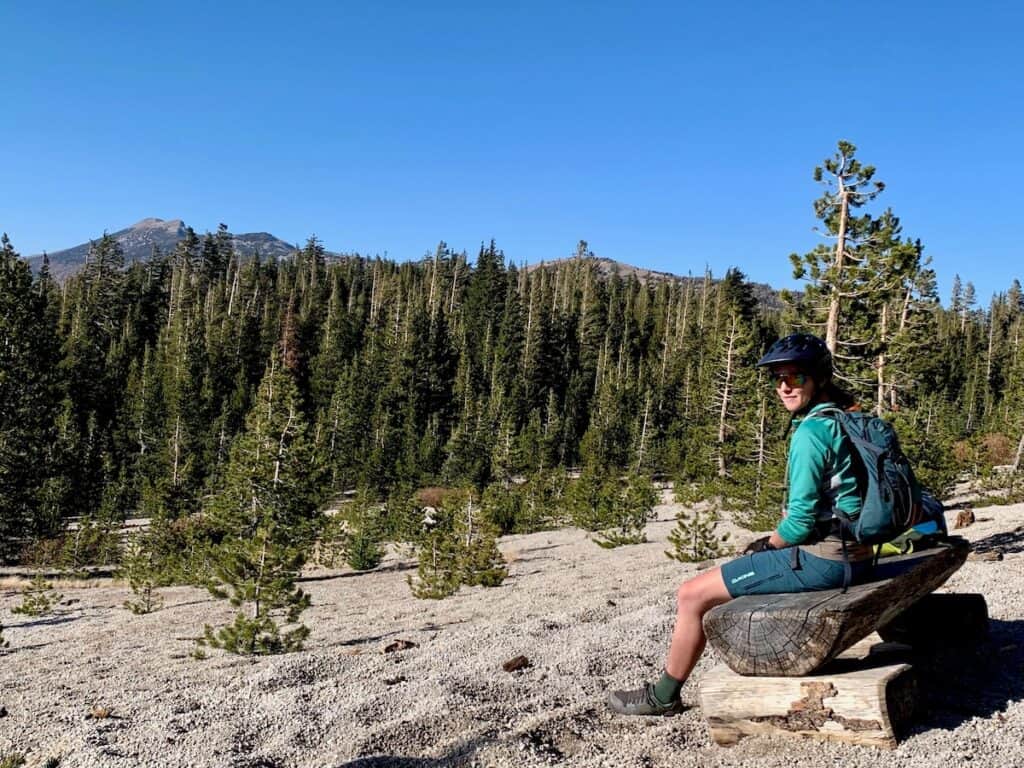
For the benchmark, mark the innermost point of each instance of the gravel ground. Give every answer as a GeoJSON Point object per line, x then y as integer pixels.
{"type": "Point", "coordinates": [588, 619]}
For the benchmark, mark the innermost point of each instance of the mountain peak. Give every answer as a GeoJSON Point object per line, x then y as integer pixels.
{"type": "Point", "coordinates": [139, 240]}
{"type": "Point", "coordinates": [173, 226]}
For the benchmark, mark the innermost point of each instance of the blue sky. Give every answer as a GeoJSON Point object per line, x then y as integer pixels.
{"type": "Point", "coordinates": [668, 135]}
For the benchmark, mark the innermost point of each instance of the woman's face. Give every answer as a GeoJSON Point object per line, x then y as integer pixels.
{"type": "Point", "coordinates": [794, 387]}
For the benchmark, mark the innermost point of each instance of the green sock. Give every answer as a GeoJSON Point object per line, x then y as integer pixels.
{"type": "Point", "coordinates": [666, 690]}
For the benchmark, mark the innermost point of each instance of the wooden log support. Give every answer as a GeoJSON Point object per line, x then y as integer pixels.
{"type": "Point", "coordinates": [795, 634]}
{"type": "Point", "coordinates": [870, 705]}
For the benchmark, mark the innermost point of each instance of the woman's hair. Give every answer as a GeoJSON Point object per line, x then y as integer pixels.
{"type": "Point", "coordinates": [831, 392]}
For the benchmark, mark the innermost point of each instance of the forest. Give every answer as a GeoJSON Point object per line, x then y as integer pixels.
{"type": "Point", "coordinates": [443, 402]}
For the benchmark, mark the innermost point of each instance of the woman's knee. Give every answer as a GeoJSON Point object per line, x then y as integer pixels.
{"type": "Point", "coordinates": [702, 592]}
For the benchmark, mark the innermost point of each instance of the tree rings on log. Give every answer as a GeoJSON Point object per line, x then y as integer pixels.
{"type": "Point", "coordinates": [791, 635]}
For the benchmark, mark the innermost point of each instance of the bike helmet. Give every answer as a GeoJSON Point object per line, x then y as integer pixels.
{"type": "Point", "coordinates": [802, 349]}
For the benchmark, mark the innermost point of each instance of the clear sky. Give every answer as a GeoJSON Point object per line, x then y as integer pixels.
{"type": "Point", "coordinates": [668, 135]}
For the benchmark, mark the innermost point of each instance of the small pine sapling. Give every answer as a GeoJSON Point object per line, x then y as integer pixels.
{"type": "Point", "coordinates": [480, 562]}
{"type": "Point", "coordinates": [437, 569]}
{"type": "Point", "coordinates": [363, 549]}
{"type": "Point", "coordinates": [265, 515]}
{"type": "Point", "coordinates": [694, 539]}
{"type": "Point", "coordinates": [38, 598]}
{"type": "Point", "coordinates": [633, 506]}
{"type": "Point", "coordinates": [139, 566]}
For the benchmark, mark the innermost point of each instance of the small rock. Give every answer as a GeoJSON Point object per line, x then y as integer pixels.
{"type": "Point", "coordinates": [400, 645]}
{"type": "Point", "coordinates": [98, 712]}
{"type": "Point", "coordinates": [964, 518]}
{"type": "Point", "coordinates": [518, 662]}
{"type": "Point", "coordinates": [989, 556]}
{"type": "Point", "coordinates": [3, 711]}
{"type": "Point", "coordinates": [611, 603]}
{"type": "Point", "coordinates": [394, 680]}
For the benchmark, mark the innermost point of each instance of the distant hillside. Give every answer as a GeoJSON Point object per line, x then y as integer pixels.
{"type": "Point", "coordinates": [139, 240]}
{"type": "Point", "coordinates": [767, 296]}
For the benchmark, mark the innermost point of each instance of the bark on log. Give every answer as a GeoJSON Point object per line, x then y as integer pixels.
{"type": "Point", "coordinates": [871, 705]}
{"type": "Point", "coordinates": [794, 634]}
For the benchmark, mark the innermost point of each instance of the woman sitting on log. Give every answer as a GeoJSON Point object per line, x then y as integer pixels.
{"type": "Point", "coordinates": [805, 552]}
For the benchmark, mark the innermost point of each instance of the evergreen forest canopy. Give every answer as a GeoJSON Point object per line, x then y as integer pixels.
{"type": "Point", "coordinates": [172, 388]}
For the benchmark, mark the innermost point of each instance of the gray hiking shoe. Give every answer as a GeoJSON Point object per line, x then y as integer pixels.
{"type": "Point", "coordinates": [641, 701]}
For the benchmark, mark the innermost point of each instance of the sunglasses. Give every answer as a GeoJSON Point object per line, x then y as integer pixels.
{"type": "Point", "coordinates": [793, 380]}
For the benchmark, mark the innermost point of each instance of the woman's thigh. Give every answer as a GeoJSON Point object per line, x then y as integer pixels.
{"type": "Point", "coordinates": [772, 572]}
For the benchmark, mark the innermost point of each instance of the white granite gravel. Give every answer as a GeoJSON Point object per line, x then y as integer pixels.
{"type": "Point", "coordinates": [588, 619]}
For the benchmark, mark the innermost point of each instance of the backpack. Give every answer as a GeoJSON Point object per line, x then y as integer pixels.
{"type": "Point", "coordinates": [890, 493]}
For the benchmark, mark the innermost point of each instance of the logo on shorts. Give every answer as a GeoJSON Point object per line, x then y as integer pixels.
{"type": "Point", "coordinates": [742, 577]}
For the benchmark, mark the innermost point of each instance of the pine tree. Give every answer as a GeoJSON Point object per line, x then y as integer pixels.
{"type": "Point", "coordinates": [634, 506]}
{"type": "Point", "coordinates": [265, 514]}
{"type": "Point", "coordinates": [29, 403]}
{"type": "Point", "coordinates": [142, 568]}
{"type": "Point", "coordinates": [38, 598]}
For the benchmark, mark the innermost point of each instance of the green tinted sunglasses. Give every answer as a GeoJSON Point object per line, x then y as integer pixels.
{"type": "Point", "coordinates": [793, 380]}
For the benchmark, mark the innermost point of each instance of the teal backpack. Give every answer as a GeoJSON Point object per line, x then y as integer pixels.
{"type": "Point", "coordinates": [890, 493]}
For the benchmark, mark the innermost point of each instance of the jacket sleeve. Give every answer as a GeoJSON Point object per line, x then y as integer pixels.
{"type": "Point", "coordinates": [810, 455]}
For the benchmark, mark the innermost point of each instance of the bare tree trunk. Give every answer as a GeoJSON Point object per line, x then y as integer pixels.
{"type": "Point", "coordinates": [880, 363]}
{"type": "Point", "coordinates": [832, 324]}
{"type": "Point", "coordinates": [723, 412]}
{"type": "Point", "coordinates": [643, 435]}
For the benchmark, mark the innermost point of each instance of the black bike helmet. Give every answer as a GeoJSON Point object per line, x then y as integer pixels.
{"type": "Point", "coordinates": [802, 349]}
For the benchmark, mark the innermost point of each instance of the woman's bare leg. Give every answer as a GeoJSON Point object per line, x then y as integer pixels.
{"type": "Point", "coordinates": [694, 598]}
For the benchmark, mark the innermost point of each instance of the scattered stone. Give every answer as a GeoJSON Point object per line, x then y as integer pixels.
{"type": "Point", "coordinates": [988, 556]}
{"type": "Point", "coordinates": [611, 603]}
{"type": "Point", "coordinates": [400, 645]}
{"type": "Point", "coordinates": [3, 711]}
{"type": "Point", "coordinates": [394, 680]}
{"type": "Point", "coordinates": [98, 712]}
{"type": "Point", "coordinates": [964, 518]}
{"type": "Point", "coordinates": [513, 664]}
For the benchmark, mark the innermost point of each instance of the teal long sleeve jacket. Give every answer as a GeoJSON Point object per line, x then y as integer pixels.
{"type": "Point", "coordinates": [821, 476]}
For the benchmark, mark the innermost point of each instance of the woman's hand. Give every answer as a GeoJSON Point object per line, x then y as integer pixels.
{"type": "Point", "coordinates": [759, 545]}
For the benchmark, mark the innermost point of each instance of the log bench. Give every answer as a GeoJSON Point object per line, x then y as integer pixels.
{"type": "Point", "coordinates": [817, 664]}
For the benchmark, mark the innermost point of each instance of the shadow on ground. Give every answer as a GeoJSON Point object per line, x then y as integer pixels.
{"type": "Point", "coordinates": [980, 681]}
{"type": "Point", "coordinates": [1010, 542]}
{"type": "Point", "coordinates": [460, 755]}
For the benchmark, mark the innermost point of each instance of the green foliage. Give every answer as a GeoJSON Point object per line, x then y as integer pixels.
{"type": "Point", "coordinates": [265, 516]}
{"type": "Point", "coordinates": [438, 574]}
{"type": "Point", "coordinates": [12, 760]}
{"type": "Point", "coordinates": [38, 598]}
{"type": "Point", "coordinates": [257, 636]}
{"type": "Point", "coordinates": [694, 538]}
{"type": "Point", "coordinates": [91, 541]}
{"type": "Point", "coordinates": [459, 548]}
{"type": "Point", "coordinates": [125, 391]}
{"type": "Point", "coordinates": [29, 404]}
{"type": "Point", "coordinates": [616, 509]}
{"type": "Point", "coordinates": [141, 566]}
